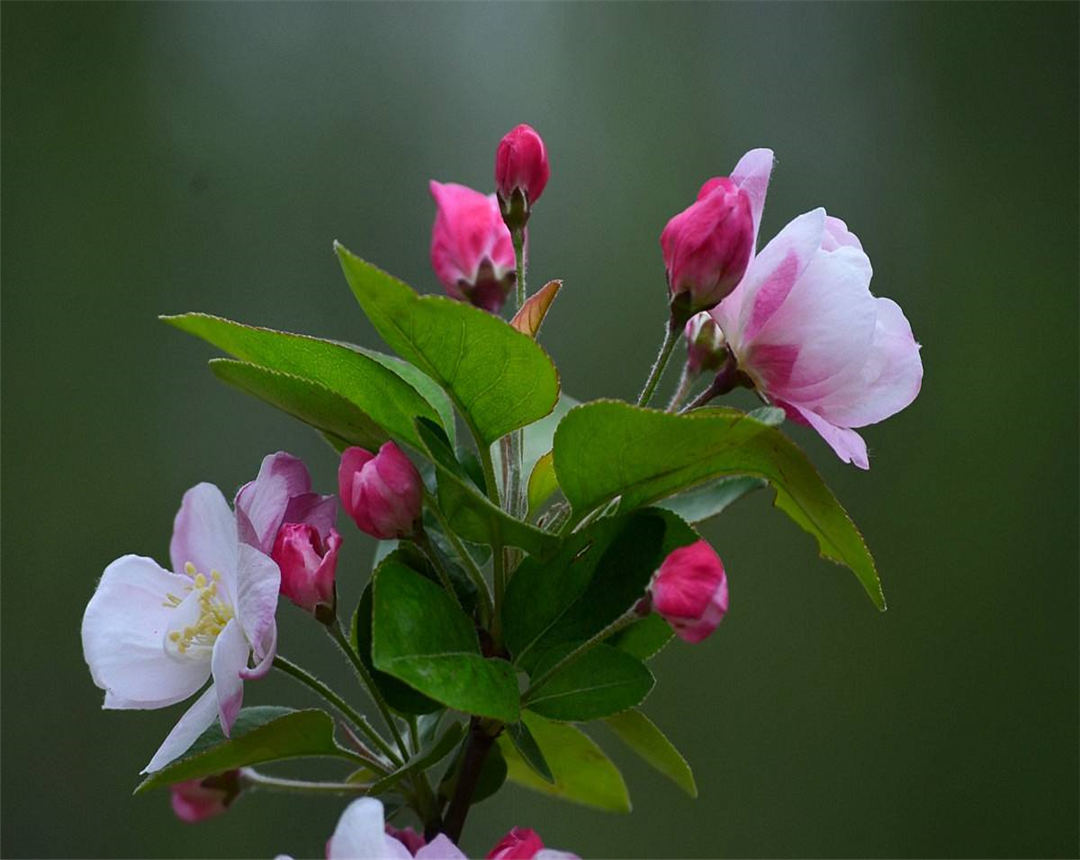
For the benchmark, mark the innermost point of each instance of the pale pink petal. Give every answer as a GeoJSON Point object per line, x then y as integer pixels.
{"type": "Point", "coordinates": [313, 509]}
{"type": "Point", "coordinates": [848, 445]}
{"type": "Point", "coordinates": [440, 848]}
{"type": "Point", "coordinates": [229, 660]}
{"type": "Point", "coordinates": [360, 835]}
{"type": "Point", "coordinates": [264, 501]}
{"type": "Point", "coordinates": [751, 175]}
{"type": "Point", "coordinates": [204, 534]}
{"type": "Point", "coordinates": [258, 582]}
{"type": "Point", "coordinates": [195, 721]}
{"type": "Point", "coordinates": [123, 636]}
{"type": "Point", "coordinates": [552, 854]}
{"type": "Point", "coordinates": [837, 235]}
{"type": "Point", "coordinates": [770, 278]}
{"type": "Point", "coordinates": [830, 315]}
{"type": "Point", "coordinates": [889, 380]}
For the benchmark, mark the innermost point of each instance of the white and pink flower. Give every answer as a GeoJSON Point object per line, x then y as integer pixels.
{"type": "Point", "coordinates": [153, 638]}
{"type": "Point", "coordinates": [804, 326]}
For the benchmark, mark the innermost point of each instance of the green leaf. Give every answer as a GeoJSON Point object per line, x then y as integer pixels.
{"type": "Point", "coordinates": [603, 681]}
{"type": "Point", "coordinates": [640, 734]}
{"type": "Point", "coordinates": [471, 514]}
{"type": "Point", "coordinates": [422, 638]}
{"type": "Point", "coordinates": [643, 639]}
{"type": "Point", "coordinates": [609, 449]}
{"type": "Point", "coordinates": [599, 574]}
{"type": "Point", "coordinates": [708, 500]}
{"type": "Point", "coordinates": [399, 696]}
{"type": "Point", "coordinates": [492, 775]}
{"type": "Point", "coordinates": [422, 762]}
{"type": "Point", "coordinates": [259, 735]}
{"type": "Point", "coordinates": [583, 774]}
{"type": "Point", "coordinates": [424, 384]}
{"type": "Point", "coordinates": [309, 401]}
{"type": "Point", "coordinates": [389, 394]}
{"type": "Point", "coordinates": [498, 378]}
{"type": "Point", "coordinates": [529, 750]}
{"type": "Point", "coordinates": [542, 483]}
{"type": "Point", "coordinates": [540, 435]}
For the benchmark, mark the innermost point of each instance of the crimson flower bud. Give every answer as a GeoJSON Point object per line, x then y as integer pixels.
{"type": "Point", "coordinates": [690, 591]}
{"type": "Point", "coordinates": [705, 345]}
{"type": "Point", "coordinates": [471, 249]}
{"type": "Point", "coordinates": [521, 164]}
{"type": "Point", "coordinates": [708, 246]}
{"type": "Point", "coordinates": [199, 799]}
{"type": "Point", "coordinates": [383, 492]}
{"type": "Point", "coordinates": [307, 564]}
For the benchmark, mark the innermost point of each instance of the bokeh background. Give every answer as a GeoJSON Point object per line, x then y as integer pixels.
{"type": "Point", "coordinates": [166, 157]}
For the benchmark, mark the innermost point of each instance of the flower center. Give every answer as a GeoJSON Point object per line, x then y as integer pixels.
{"type": "Point", "coordinates": [205, 614]}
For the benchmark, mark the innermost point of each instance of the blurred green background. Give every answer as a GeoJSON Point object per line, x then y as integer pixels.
{"type": "Point", "coordinates": [167, 157]}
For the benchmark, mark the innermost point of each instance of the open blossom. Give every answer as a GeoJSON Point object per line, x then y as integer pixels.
{"type": "Point", "coordinates": [383, 492]}
{"type": "Point", "coordinates": [153, 638]}
{"type": "Point", "coordinates": [804, 326]}
{"type": "Point", "coordinates": [471, 249]}
{"type": "Point", "coordinates": [279, 514]}
{"type": "Point", "coordinates": [708, 246]}
{"type": "Point", "coordinates": [199, 799]}
{"type": "Point", "coordinates": [690, 591]}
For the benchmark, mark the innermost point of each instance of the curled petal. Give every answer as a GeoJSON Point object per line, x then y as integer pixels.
{"type": "Point", "coordinates": [264, 501]}
{"type": "Point", "coordinates": [751, 175]}
{"type": "Point", "coordinates": [258, 584]}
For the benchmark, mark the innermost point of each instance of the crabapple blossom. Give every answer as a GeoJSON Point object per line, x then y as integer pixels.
{"type": "Point", "coordinates": [708, 246]}
{"type": "Point", "coordinates": [705, 348]}
{"type": "Point", "coordinates": [521, 173]}
{"type": "Point", "coordinates": [153, 638]}
{"type": "Point", "coordinates": [690, 591]}
{"type": "Point", "coordinates": [361, 835]}
{"type": "Point", "coordinates": [307, 564]}
{"type": "Point", "coordinates": [471, 249]}
{"type": "Point", "coordinates": [805, 328]}
{"type": "Point", "coordinates": [383, 492]}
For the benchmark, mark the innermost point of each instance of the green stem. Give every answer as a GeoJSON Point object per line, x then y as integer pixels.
{"type": "Point", "coordinates": [614, 627]}
{"type": "Point", "coordinates": [358, 720]}
{"type": "Point", "coordinates": [498, 568]}
{"type": "Point", "coordinates": [518, 238]}
{"type": "Point", "coordinates": [337, 633]}
{"type": "Point", "coordinates": [660, 364]}
{"type": "Point", "coordinates": [686, 382]}
{"type": "Point", "coordinates": [251, 778]}
{"type": "Point", "coordinates": [423, 540]}
{"type": "Point", "coordinates": [463, 554]}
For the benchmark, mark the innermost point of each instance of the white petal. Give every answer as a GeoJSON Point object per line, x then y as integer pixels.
{"type": "Point", "coordinates": [752, 174]}
{"type": "Point", "coordinates": [848, 445]}
{"type": "Point", "coordinates": [266, 662]}
{"type": "Point", "coordinates": [361, 835]}
{"type": "Point", "coordinates": [230, 659]}
{"type": "Point", "coordinates": [258, 582]}
{"type": "Point", "coordinates": [123, 636]}
{"type": "Point", "coordinates": [204, 533]}
{"type": "Point", "coordinates": [195, 721]}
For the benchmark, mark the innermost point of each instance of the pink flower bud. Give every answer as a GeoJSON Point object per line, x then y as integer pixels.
{"type": "Point", "coordinates": [471, 249]}
{"type": "Point", "coordinates": [200, 799]}
{"type": "Point", "coordinates": [520, 843]}
{"type": "Point", "coordinates": [690, 591]}
{"type": "Point", "coordinates": [705, 346]}
{"type": "Point", "coordinates": [708, 246]}
{"type": "Point", "coordinates": [521, 162]}
{"type": "Point", "coordinates": [307, 564]}
{"type": "Point", "coordinates": [383, 492]}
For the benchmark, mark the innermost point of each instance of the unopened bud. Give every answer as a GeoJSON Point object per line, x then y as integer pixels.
{"type": "Point", "coordinates": [199, 799]}
{"type": "Point", "coordinates": [307, 564]}
{"type": "Point", "coordinates": [383, 493]}
{"type": "Point", "coordinates": [521, 173]}
{"type": "Point", "coordinates": [708, 246]}
{"type": "Point", "coordinates": [706, 348]}
{"type": "Point", "coordinates": [690, 591]}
